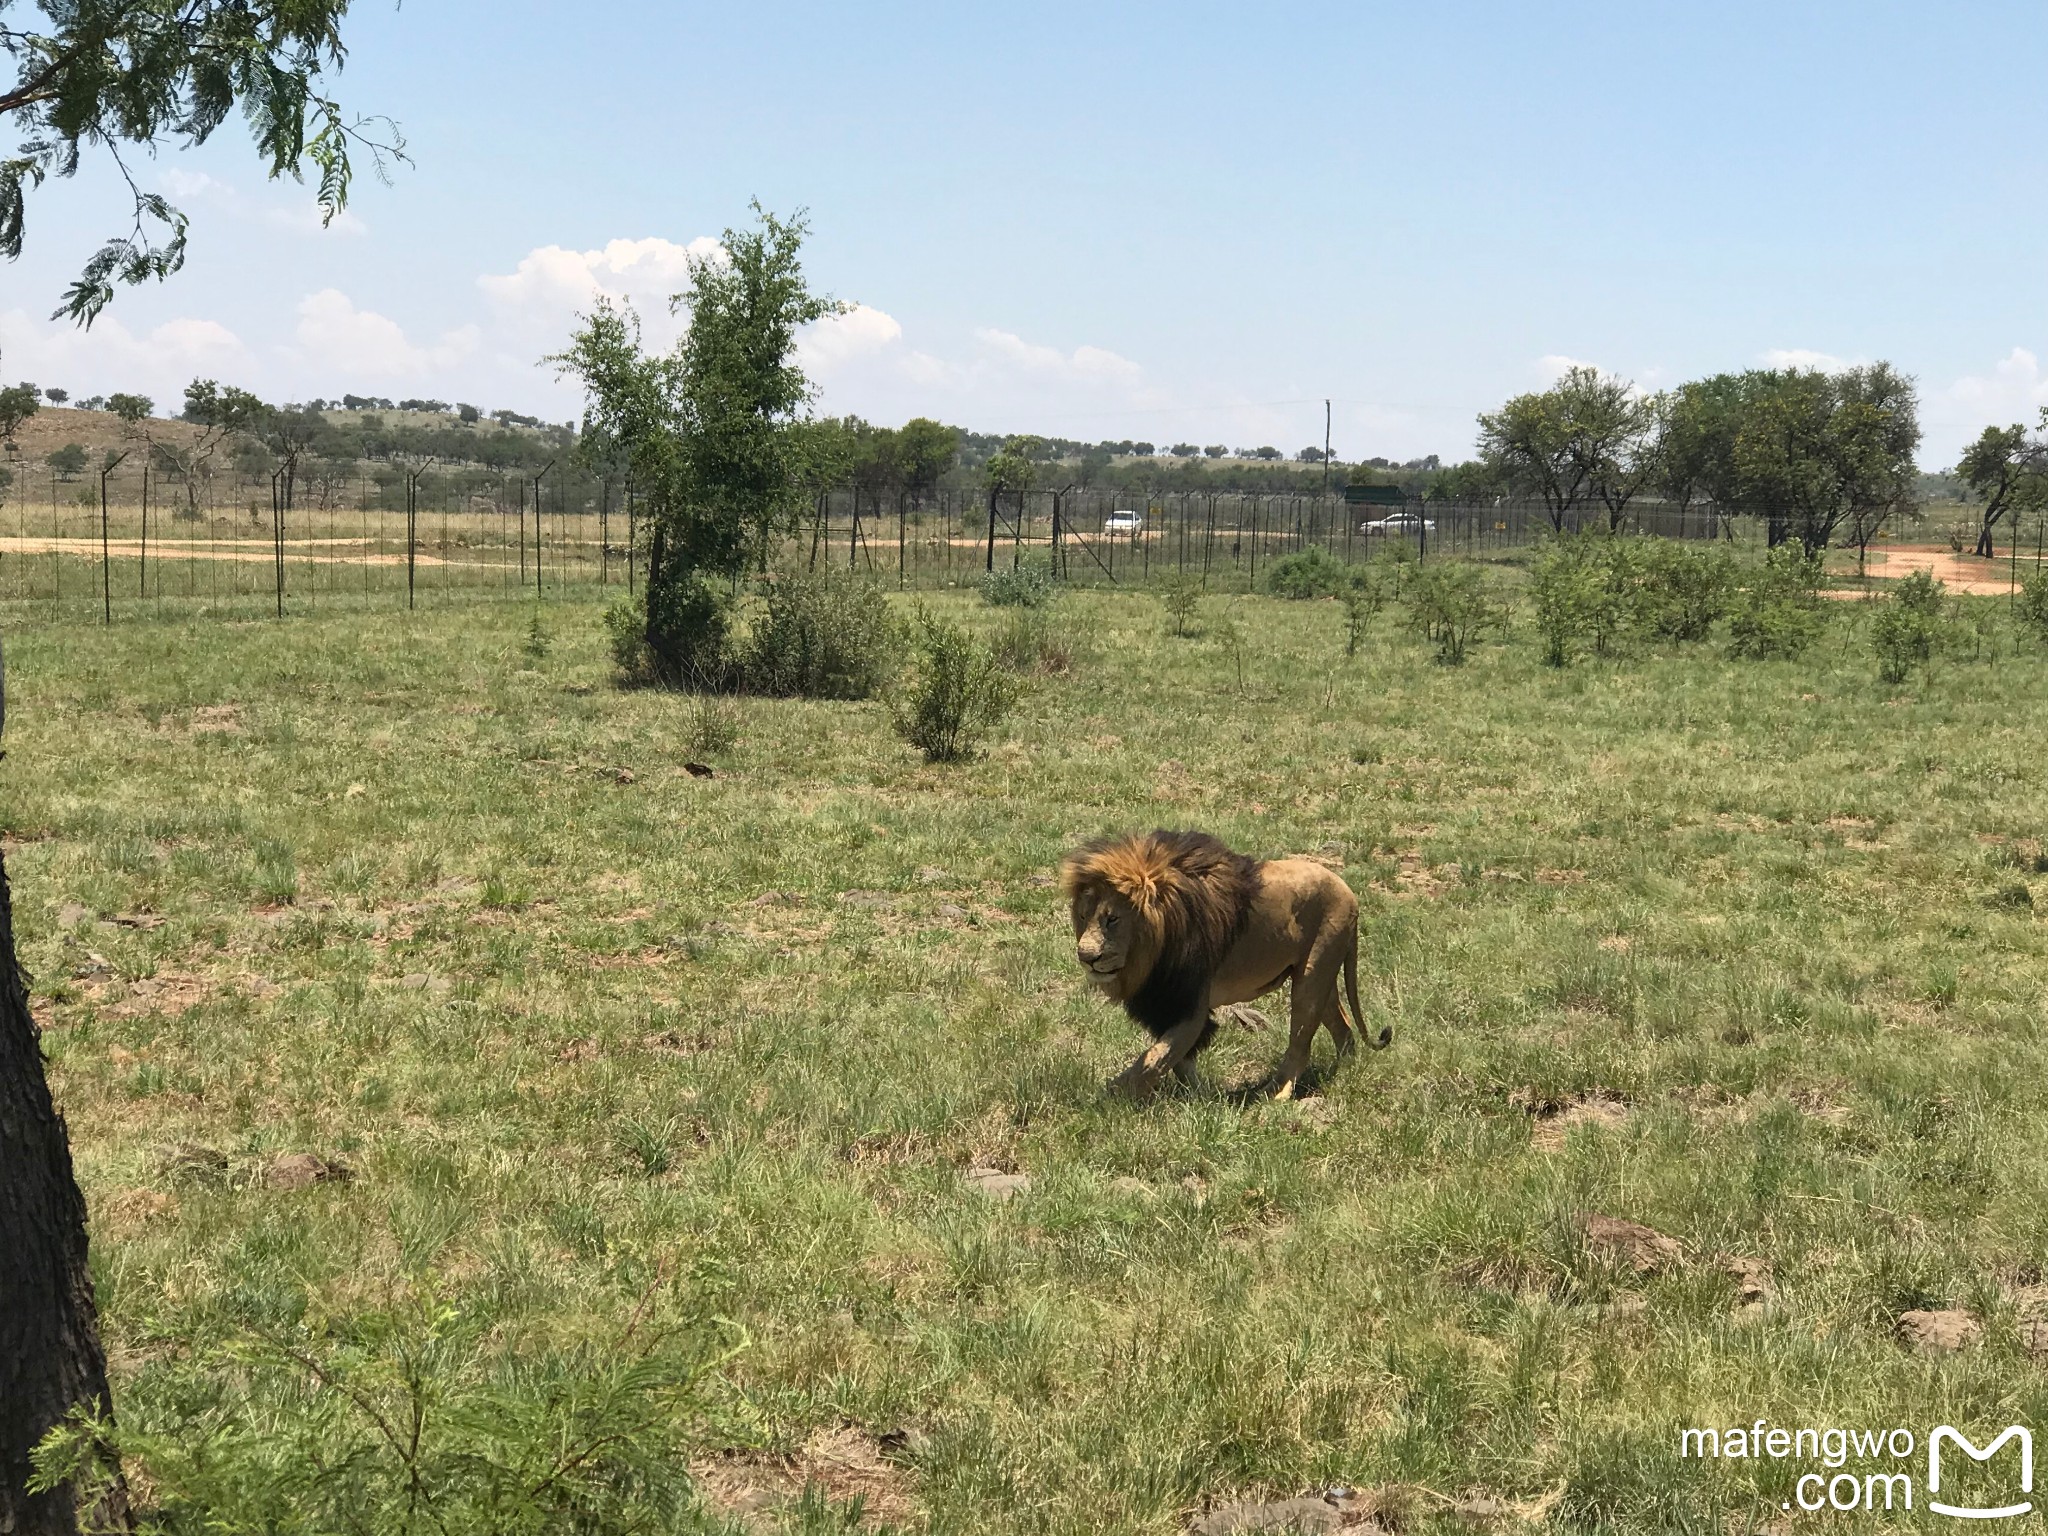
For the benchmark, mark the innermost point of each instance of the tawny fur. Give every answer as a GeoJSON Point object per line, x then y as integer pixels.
{"type": "Point", "coordinates": [1173, 925]}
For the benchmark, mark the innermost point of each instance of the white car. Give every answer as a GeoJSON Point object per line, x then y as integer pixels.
{"type": "Point", "coordinates": [1123, 522]}
{"type": "Point", "coordinates": [1399, 522]}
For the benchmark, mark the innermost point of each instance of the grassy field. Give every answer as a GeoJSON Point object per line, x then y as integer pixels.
{"type": "Point", "coordinates": [1744, 952]}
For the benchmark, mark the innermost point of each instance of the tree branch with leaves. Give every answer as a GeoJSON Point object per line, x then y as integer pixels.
{"type": "Point", "coordinates": [111, 77]}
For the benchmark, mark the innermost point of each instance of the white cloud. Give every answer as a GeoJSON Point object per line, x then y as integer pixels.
{"type": "Point", "coordinates": [861, 332]}
{"type": "Point", "coordinates": [1803, 357]}
{"type": "Point", "coordinates": [110, 357]}
{"type": "Point", "coordinates": [1093, 365]}
{"type": "Point", "coordinates": [1555, 365]}
{"type": "Point", "coordinates": [552, 284]}
{"type": "Point", "coordinates": [347, 343]}
{"type": "Point", "coordinates": [2013, 390]}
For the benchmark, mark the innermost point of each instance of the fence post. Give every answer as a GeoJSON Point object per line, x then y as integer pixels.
{"type": "Point", "coordinates": [537, 525]}
{"type": "Point", "coordinates": [106, 561]}
{"type": "Point", "coordinates": [277, 536]}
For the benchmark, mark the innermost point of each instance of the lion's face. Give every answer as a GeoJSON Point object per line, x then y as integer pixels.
{"type": "Point", "coordinates": [1111, 940]}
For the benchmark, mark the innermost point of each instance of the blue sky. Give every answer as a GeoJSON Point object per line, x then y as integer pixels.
{"type": "Point", "coordinates": [1155, 221]}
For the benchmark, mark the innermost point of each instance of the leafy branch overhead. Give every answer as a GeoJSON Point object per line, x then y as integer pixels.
{"type": "Point", "coordinates": [122, 75]}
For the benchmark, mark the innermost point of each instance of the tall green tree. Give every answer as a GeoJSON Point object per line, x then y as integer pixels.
{"type": "Point", "coordinates": [2008, 472]}
{"type": "Point", "coordinates": [709, 428]}
{"type": "Point", "coordinates": [927, 451]}
{"type": "Point", "coordinates": [1819, 453]}
{"type": "Point", "coordinates": [1589, 439]}
{"type": "Point", "coordinates": [18, 402]}
{"type": "Point", "coordinates": [118, 78]}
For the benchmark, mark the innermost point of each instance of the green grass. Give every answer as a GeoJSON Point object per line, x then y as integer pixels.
{"type": "Point", "coordinates": [607, 1051]}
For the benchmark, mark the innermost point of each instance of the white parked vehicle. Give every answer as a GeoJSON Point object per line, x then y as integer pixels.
{"type": "Point", "coordinates": [1399, 522]}
{"type": "Point", "coordinates": [1123, 522]}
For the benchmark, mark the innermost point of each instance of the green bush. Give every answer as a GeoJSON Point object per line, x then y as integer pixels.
{"type": "Point", "coordinates": [416, 1425]}
{"type": "Point", "coordinates": [1682, 589]}
{"type": "Point", "coordinates": [2030, 608]}
{"type": "Point", "coordinates": [1450, 603]}
{"type": "Point", "coordinates": [1312, 572]}
{"type": "Point", "coordinates": [820, 636]}
{"type": "Point", "coordinates": [1568, 592]}
{"type": "Point", "coordinates": [1363, 599]}
{"type": "Point", "coordinates": [958, 694]}
{"type": "Point", "coordinates": [1182, 595]}
{"type": "Point", "coordinates": [1910, 622]}
{"type": "Point", "coordinates": [625, 629]}
{"type": "Point", "coordinates": [1032, 642]}
{"type": "Point", "coordinates": [689, 633]}
{"type": "Point", "coordinates": [1029, 584]}
{"type": "Point", "coordinates": [1780, 612]}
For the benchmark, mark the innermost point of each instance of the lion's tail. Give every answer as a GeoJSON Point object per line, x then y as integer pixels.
{"type": "Point", "coordinates": [1385, 1037]}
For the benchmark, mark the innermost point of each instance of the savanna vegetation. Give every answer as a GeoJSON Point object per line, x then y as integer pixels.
{"type": "Point", "coordinates": [432, 1039]}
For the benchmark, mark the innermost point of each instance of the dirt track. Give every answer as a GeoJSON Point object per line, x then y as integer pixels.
{"type": "Point", "coordinates": [1959, 573]}
{"type": "Point", "coordinates": [327, 551]}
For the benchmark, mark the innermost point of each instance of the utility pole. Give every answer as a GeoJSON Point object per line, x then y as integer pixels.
{"type": "Point", "coordinates": [1326, 448]}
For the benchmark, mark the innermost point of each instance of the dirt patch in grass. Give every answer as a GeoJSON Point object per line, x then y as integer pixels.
{"type": "Point", "coordinates": [845, 1463]}
{"type": "Point", "coordinates": [1959, 573]}
{"type": "Point", "coordinates": [1557, 1118]}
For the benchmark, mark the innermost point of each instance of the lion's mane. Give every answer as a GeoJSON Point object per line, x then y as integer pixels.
{"type": "Point", "coordinates": [1194, 896]}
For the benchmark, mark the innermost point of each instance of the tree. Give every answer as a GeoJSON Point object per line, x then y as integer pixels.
{"type": "Point", "coordinates": [125, 75]}
{"type": "Point", "coordinates": [56, 396]}
{"type": "Point", "coordinates": [221, 412]}
{"type": "Point", "coordinates": [708, 429]}
{"type": "Point", "coordinates": [290, 433]}
{"type": "Point", "coordinates": [1816, 451]}
{"type": "Point", "coordinates": [2006, 470]}
{"type": "Point", "coordinates": [1184, 450]}
{"type": "Point", "coordinates": [1215, 451]}
{"type": "Point", "coordinates": [132, 409]}
{"type": "Point", "coordinates": [1587, 438]}
{"type": "Point", "coordinates": [928, 451]}
{"type": "Point", "coordinates": [17, 404]}
{"type": "Point", "coordinates": [68, 462]}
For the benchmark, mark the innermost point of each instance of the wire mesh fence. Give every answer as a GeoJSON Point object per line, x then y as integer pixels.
{"type": "Point", "coordinates": [130, 542]}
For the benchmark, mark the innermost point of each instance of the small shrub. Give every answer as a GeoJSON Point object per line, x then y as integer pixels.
{"type": "Point", "coordinates": [2030, 608]}
{"type": "Point", "coordinates": [1312, 572]}
{"type": "Point", "coordinates": [1683, 589]}
{"type": "Point", "coordinates": [1567, 592]}
{"type": "Point", "coordinates": [1182, 595]}
{"type": "Point", "coordinates": [1231, 639]}
{"type": "Point", "coordinates": [689, 633]}
{"type": "Point", "coordinates": [625, 631]}
{"type": "Point", "coordinates": [1909, 623]}
{"type": "Point", "coordinates": [959, 693]}
{"type": "Point", "coordinates": [1451, 603]}
{"type": "Point", "coordinates": [538, 642]}
{"type": "Point", "coordinates": [820, 636]}
{"type": "Point", "coordinates": [414, 1421]}
{"type": "Point", "coordinates": [712, 727]}
{"type": "Point", "coordinates": [1033, 643]}
{"type": "Point", "coordinates": [1780, 612]}
{"type": "Point", "coordinates": [1029, 584]}
{"type": "Point", "coordinates": [1364, 597]}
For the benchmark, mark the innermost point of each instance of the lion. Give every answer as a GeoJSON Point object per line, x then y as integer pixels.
{"type": "Point", "coordinates": [1174, 925]}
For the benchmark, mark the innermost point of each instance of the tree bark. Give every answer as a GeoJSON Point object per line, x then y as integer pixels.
{"type": "Point", "coordinates": [50, 1356]}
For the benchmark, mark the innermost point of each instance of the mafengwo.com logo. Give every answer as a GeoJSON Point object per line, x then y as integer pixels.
{"type": "Point", "coordinates": [1944, 1472]}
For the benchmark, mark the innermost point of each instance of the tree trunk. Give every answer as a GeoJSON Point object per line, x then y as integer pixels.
{"type": "Point", "coordinates": [50, 1357]}
{"type": "Point", "coordinates": [1984, 549]}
